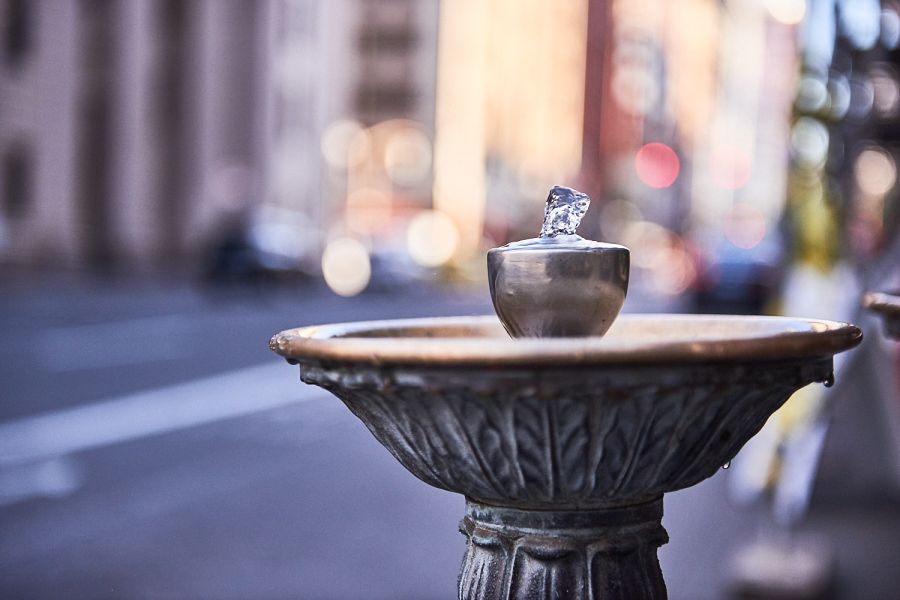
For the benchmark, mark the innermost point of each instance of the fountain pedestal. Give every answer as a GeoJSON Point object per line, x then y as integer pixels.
{"type": "Point", "coordinates": [523, 554]}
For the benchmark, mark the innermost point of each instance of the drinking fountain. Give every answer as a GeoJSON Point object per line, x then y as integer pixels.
{"type": "Point", "coordinates": [561, 425]}
{"type": "Point", "coordinates": [887, 306]}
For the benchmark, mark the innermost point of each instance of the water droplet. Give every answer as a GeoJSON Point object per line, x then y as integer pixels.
{"type": "Point", "coordinates": [726, 465]}
{"type": "Point", "coordinates": [564, 211]}
{"type": "Point", "coordinates": [829, 381]}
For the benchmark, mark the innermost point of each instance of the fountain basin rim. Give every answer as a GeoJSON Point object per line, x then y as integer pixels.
{"type": "Point", "coordinates": [883, 303]}
{"type": "Point", "coordinates": [633, 339]}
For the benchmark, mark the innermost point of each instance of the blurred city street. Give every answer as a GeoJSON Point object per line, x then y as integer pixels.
{"type": "Point", "coordinates": [265, 489]}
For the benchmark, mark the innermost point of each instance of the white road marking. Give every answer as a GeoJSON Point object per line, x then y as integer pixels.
{"type": "Point", "coordinates": [152, 412]}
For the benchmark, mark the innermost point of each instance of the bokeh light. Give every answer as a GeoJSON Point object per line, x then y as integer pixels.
{"type": "Point", "coordinates": [342, 143]}
{"type": "Point", "coordinates": [862, 97]}
{"type": "Point", "coordinates": [890, 28]}
{"type": "Point", "coordinates": [649, 243]}
{"type": "Point", "coordinates": [860, 23]}
{"type": "Point", "coordinates": [432, 238]}
{"type": "Point", "coordinates": [809, 142]}
{"type": "Point", "coordinates": [787, 12]}
{"type": "Point", "coordinates": [875, 172]}
{"type": "Point", "coordinates": [678, 275]}
{"type": "Point", "coordinates": [407, 156]}
{"type": "Point", "coordinates": [745, 226]}
{"type": "Point", "coordinates": [657, 165]}
{"type": "Point", "coordinates": [887, 91]}
{"type": "Point", "coordinates": [346, 266]}
{"type": "Point", "coordinates": [615, 216]}
{"type": "Point", "coordinates": [840, 95]}
{"type": "Point", "coordinates": [812, 94]}
{"type": "Point", "coordinates": [669, 265]}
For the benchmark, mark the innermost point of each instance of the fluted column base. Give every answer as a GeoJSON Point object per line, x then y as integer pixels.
{"type": "Point", "coordinates": [607, 554]}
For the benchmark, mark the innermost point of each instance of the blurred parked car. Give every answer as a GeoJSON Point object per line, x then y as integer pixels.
{"type": "Point", "coordinates": [733, 280]}
{"type": "Point", "coordinates": [263, 245]}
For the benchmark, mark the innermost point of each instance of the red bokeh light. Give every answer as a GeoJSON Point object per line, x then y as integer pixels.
{"type": "Point", "coordinates": [657, 165]}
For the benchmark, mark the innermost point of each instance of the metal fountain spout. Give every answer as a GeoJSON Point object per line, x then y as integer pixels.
{"type": "Point", "coordinates": [559, 284]}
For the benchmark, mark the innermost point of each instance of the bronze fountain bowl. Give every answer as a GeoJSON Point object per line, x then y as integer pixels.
{"type": "Point", "coordinates": [656, 406]}
{"type": "Point", "coordinates": [565, 447]}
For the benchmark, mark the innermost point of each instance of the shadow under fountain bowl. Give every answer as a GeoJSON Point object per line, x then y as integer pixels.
{"type": "Point", "coordinates": [564, 447]}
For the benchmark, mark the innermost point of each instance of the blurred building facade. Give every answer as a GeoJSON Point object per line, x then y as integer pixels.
{"type": "Point", "coordinates": [131, 130]}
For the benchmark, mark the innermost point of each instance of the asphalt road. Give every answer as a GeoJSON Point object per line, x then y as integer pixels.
{"type": "Point", "coordinates": [152, 447]}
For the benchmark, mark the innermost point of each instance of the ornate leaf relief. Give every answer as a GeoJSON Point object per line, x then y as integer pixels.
{"type": "Point", "coordinates": [573, 441]}
{"type": "Point", "coordinates": [499, 420]}
{"type": "Point", "coordinates": [555, 439]}
{"type": "Point", "coordinates": [565, 438]}
{"type": "Point", "coordinates": [530, 435]}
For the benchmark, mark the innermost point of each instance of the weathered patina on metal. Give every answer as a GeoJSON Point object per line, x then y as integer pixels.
{"type": "Point", "coordinates": [564, 447]}
{"type": "Point", "coordinates": [603, 553]}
